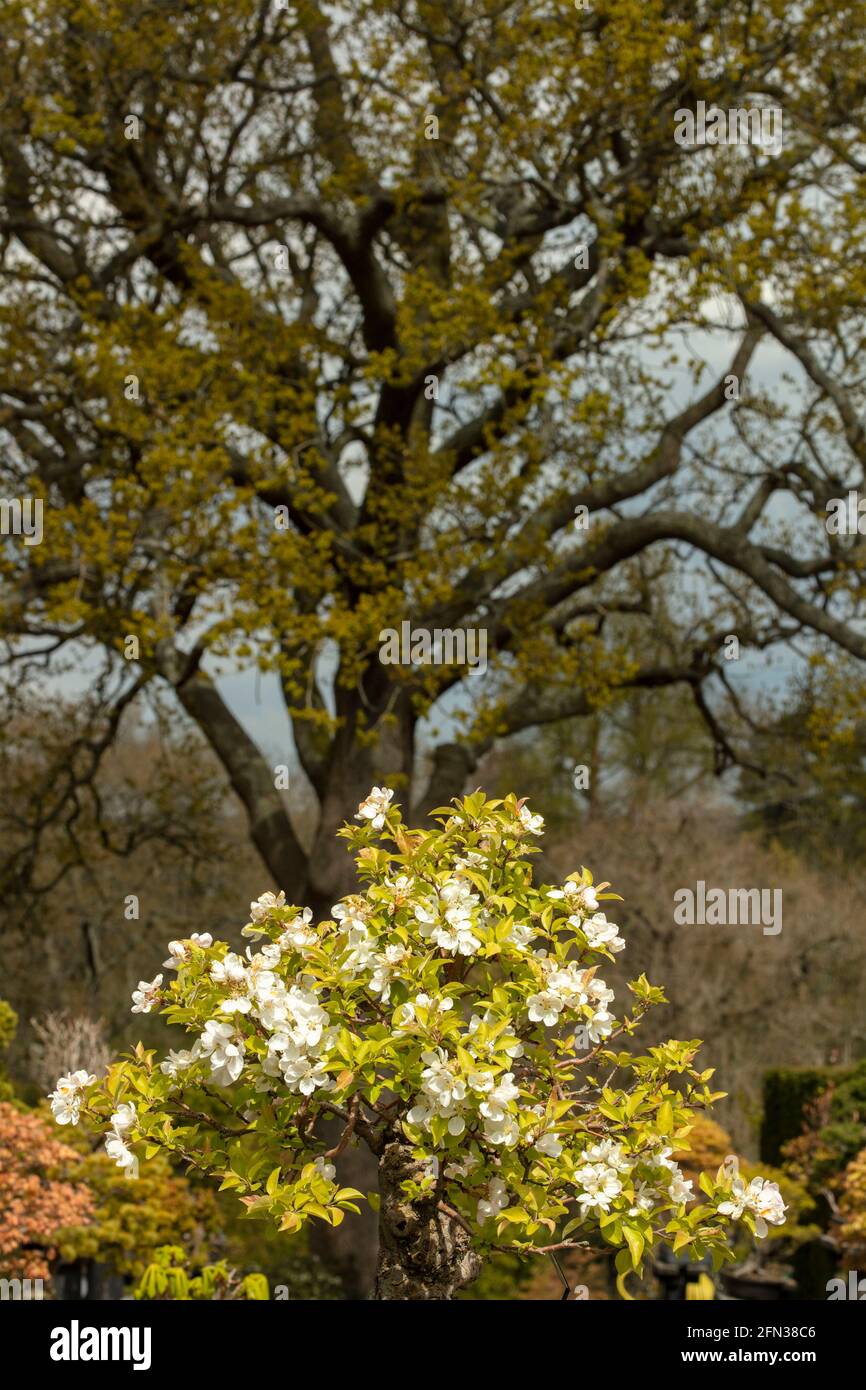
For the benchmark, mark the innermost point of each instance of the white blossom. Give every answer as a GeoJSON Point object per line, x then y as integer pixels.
{"type": "Point", "coordinates": [599, 992]}
{"type": "Point", "coordinates": [241, 1004]}
{"type": "Point", "coordinates": [307, 1016]}
{"type": "Point", "coordinates": [66, 1097]}
{"type": "Point", "coordinates": [470, 860]}
{"type": "Point", "coordinates": [645, 1199]}
{"type": "Point", "coordinates": [179, 1061]}
{"type": "Point", "coordinates": [225, 1049]}
{"type": "Point", "coordinates": [299, 935]}
{"type": "Point", "coordinates": [375, 807]}
{"type": "Point", "coordinates": [680, 1190]}
{"type": "Point", "coordinates": [179, 951]}
{"type": "Point", "coordinates": [231, 970]}
{"type": "Point", "coordinates": [459, 939]}
{"type": "Point", "coordinates": [545, 1007]}
{"type": "Point", "coordinates": [406, 1014]}
{"type": "Point", "coordinates": [610, 1153]}
{"type": "Point", "coordinates": [534, 824]}
{"type": "Point", "coordinates": [495, 1201]}
{"type": "Point", "coordinates": [401, 886]}
{"type": "Point", "coordinates": [385, 969]}
{"type": "Point", "coordinates": [599, 932]}
{"type": "Point", "coordinates": [447, 921]}
{"type": "Point", "coordinates": [577, 896]}
{"type": "Point", "coordinates": [266, 904]}
{"type": "Point", "coordinates": [461, 1168]}
{"type": "Point", "coordinates": [600, 1185]}
{"type": "Point", "coordinates": [761, 1197]}
{"type": "Point", "coordinates": [268, 958]}
{"type": "Point", "coordinates": [600, 1026]}
{"type": "Point", "coordinates": [500, 1125]}
{"type": "Point", "coordinates": [443, 1093]}
{"type": "Point", "coordinates": [439, 1080]}
{"type": "Point", "coordinates": [520, 935]}
{"type": "Point", "coordinates": [119, 1150]}
{"type": "Point", "coordinates": [124, 1118]}
{"type": "Point", "coordinates": [305, 1074]}
{"type": "Point", "coordinates": [144, 998]}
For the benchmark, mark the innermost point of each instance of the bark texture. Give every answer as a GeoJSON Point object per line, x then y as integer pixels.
{"type": "Point", "coordinates": [423, 1252]}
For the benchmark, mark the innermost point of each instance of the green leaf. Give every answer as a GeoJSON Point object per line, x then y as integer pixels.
{"type": "Point", "coordinates": [514, 1215]}
{"type": "Point", "coordinates": [635, 1242]}
{"type": "Point", "coordinates": [665, 1118]}
{"type": "Point", "coordinates": [273, 1182]}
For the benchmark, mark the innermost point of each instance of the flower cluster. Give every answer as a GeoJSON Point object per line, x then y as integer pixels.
{"type": "Point", "coordinates": [67, 1096]}
{"type": "Point", "coordinates": [452, 1007]}
{"type": "Point", "coordinates": [122, 1123]}
{"type": "Point", "coordinates": [763, 1199]}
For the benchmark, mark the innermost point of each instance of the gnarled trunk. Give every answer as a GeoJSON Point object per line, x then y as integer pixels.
{"type": "Point", "coordinates": [423, 1252]}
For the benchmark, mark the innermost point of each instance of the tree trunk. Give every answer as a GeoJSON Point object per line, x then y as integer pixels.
{"type": "Point", "coordinates": [348, 1250]}
{"type": "Point", "coordinates": [423, 1252]}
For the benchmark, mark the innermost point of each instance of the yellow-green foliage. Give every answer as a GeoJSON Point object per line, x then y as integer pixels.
{"type": "Point", "coordinates": [410, 257]}
{"type": "Point", "coordinates": [8, 1026]}
{"type": "Point", "coordinates": [132, 1219]}
{"type": "Point", "coordinates": [707, 1146]}
{"type": "Point", "coordinates": [852, 1209]}
{"type": "Point", "coordinates": [8, 1029]}
{"type": "Point", "coordinates": [171, 1275]}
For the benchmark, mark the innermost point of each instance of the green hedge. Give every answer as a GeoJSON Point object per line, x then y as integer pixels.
{"type": "Point", "coordinates": [786, 1091]}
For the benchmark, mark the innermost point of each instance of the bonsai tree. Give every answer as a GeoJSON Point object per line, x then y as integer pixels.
{"type": "Point", "coordinates": [452, 1017]}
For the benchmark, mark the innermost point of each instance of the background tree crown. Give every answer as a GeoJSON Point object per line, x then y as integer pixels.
{"type": "Point", "coordinates": [317, 319]}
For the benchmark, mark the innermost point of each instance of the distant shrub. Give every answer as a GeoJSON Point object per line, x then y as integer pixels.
{"type": "Point", "coordinates": [170, 1276]}
{"type": "Point", "coordinates": [37, 1198]}
{"type": "Point", "coordinates": [787, 1091]}
{"type": "Point", "coordinates": [66, 1042]}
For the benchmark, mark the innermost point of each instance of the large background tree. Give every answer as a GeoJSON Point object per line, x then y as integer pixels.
{"type": "Point", "coordinates": [299, 341]}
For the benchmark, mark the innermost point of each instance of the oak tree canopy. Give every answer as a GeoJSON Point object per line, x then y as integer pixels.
{"type": "Point", "coordinates": [319, 318]}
